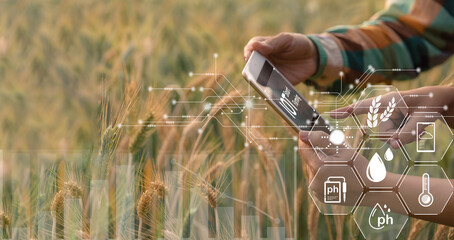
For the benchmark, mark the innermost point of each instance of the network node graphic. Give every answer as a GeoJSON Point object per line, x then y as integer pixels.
{"type": "Point", "coordinates": [340, 144]}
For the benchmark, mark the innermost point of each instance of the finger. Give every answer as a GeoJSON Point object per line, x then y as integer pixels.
{"type": "Point", "coordinates": [308, 154]}
{"type": "Point", "coordinates": [321, 141]}
{"type": "Point", "coordinates": [247, 51]}
{"type": "Point", "coordinates": [279, 43]}
{"type": "Point", "coordinates": [342, 113]}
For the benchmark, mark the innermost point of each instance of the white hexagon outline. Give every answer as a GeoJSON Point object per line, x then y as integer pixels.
{"type": "Point", "coordinates": [397, 196]}
{"type": "Point", "coordinates": [354, 148]}
{"type": "Point", "coordinates": [377, 135]}
{"type": "Point", "coordinates": [447, 146]}
{"type": "Point", "coordinates": [402, 174]}
{"type": "Point", "coordinates": [357, 201]}
{"type": "Point", "coordinates": [447, 200]}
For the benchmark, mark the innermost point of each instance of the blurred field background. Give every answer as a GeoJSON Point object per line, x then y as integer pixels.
{"type": "Point", "coordinates": [59, 58]}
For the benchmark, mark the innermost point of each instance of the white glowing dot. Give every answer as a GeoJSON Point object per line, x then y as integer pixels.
{"type": "Point", "coordinates": [311, 93]}
{"type": "Point", "coordinates": [445, 107]}
{"type": "Point", "coordinates": [190, 74]}
{"type": "Point", "coordinates": [356, 81]}
{"type": "Point", "coordinates": [150, 88]}
{"type": "Point", "coordinates": [201, 89]}
{"type": "Point", "coordinates": [337, 137]}
{"type": "Point", "coordinates": [243, 124]}
{"type": "Point", "coordinates": [413, 132]}
{"type": "Point", "coordinates": [341, 74]}
{"type": "Point", "coordinates": [199, 131]}
{"type": "Point", "coordinates": [248, 104]}
{"type": "Point", "coordinates": [418, 69]}
{"type": "Point", "coordinates": [368, 85]}
{"type": "Point", "coordinates": [193, 89]}
{"type": "Point", "coordinates": [207, 106]}
{"type": "Point", "coordinates": [174, 101]}
{"type": "Point", "coordinates": [140, 121]}
{"type": "Point", "coordinates": [260, 147]}
{"type": "Point", "coordinates": [165, 116]}
{"type": "Point", "coordinates": [119, 125]}
{"type": "Point", "coordinates": [431, 94]}
{"type": "Point", "coordinates": [295, 138]}
{"type": "Point", "coordinates": [215, 55]}
{"type": "Point", "coordinates": [350, 86]}
{"type": "Point", "coordinates": [295, 148]}
{"type": "Point", "coordinates": [246, 144]}
{"type": "Point", "coordinates": [308, 122]}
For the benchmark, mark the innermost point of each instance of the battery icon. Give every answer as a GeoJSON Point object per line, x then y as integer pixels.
{"type": "Point", "coordinates": [335, 190]}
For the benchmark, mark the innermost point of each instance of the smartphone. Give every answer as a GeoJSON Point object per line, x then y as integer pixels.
{"type": "Point", "coordinates": [281, 95]}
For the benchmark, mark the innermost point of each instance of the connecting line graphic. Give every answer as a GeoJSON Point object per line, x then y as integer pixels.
{"type": "Point", "coordinates": [223, 195]}
{"type": "Point", "coordinates": [360, 82]}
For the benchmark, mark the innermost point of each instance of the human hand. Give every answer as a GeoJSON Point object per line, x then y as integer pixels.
{"type": "Point", "coordinates": [295, 55]}
{"type": "Point", "coordinates": [427, 99]}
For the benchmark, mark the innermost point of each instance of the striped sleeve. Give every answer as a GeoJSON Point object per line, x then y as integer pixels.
{"type": "Point", "coordinates": [408, 34]}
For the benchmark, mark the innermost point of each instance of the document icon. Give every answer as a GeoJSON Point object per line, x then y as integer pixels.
{"type": "Point", "coordinates": [425, 140]}
{"type": "Point", "coordinates": [335, 190]}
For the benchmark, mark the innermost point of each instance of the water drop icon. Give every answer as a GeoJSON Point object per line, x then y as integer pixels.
{"type": "Point", "coordinates": [389, 155]}
{"type": "Point", "coordinates": [376, 213]}
{"type": "Point", "coordinates": [376, 170]}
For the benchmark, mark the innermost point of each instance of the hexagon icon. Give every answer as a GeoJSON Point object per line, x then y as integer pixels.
{"type": "Point", "coordinates": [379, 165]}
{"type": "Point", "coordinates": [335, 189]}
{"type": "Point", "coordinates": [338, 146]}
{"type": "Point", "coordinates": [380, 110]}
{"type": "Point", "coordinates": [427, 135]}
{"type": "Point", "coordinates": [380, 213]}
{"type": "Point", "coordinates": [426, 189]}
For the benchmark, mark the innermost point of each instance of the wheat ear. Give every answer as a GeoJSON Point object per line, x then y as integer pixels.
{"type": "Point", "coordinates": [372, 115]}
{"type": "Point", "coordinates": [57, 207]}
{"type": "Point", "coordinates": [144, 207]}
{"type": "Point", "coordinates": [388, 111]}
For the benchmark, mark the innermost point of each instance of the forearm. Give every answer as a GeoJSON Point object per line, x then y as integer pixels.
{"type": "Point", "coordinates": [400, 37]}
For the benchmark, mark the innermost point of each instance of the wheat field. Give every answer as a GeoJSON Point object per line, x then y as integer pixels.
{"type": "Point", "coordinates": [89, 149]}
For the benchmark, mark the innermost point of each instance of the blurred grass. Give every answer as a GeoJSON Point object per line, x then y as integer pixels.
{"type": "Point", "coordinates": [57, 56]}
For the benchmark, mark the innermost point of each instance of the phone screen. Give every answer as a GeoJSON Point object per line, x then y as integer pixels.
{"type": "Point", "coordinates": [279, 90]}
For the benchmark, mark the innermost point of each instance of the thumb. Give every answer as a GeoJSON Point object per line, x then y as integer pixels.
{"type": "Point", "coordinates": [263, 48]}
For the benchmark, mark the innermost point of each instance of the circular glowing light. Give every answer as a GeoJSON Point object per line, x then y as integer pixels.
{"type": "Point", "coordinates": [337, 137]}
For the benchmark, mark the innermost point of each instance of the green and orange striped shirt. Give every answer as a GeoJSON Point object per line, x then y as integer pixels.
{"type": "Point", "coordinates": [408, 34]}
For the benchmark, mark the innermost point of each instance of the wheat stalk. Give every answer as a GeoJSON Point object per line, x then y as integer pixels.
{"type": "Point", "coordinates": [140, 138]}
{"type": "Point", "coordinates": [144, 207]}
{"type": "Point", "coordinates": [57, 207]}
{"type": "Point", "coordinates": [416, 228]}
{"type": "Point", "coordinates": [441, 232]}
{"type": "Point", "coordinates": [388, 111]}
{"type": "Point", "coordinates": [168, 235]}
{"type": "Point", "coordinates": [211, 195]}
{"type": "Point", "coordinates": [72, 189]}
{"type": "Point", "coordinates": [82, 234]}
{"type": "Point", "coordinates": [451, 233]}
{"type": "Point", "coordinates": [372, 115]}
{"type": "Point", "coordinates": [5, 222]}
{"type": "Point", "coordinates": [158, 188]}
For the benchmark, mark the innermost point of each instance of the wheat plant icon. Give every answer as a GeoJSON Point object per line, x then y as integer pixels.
{"type": "Point", "coordinates": [372, 115]}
